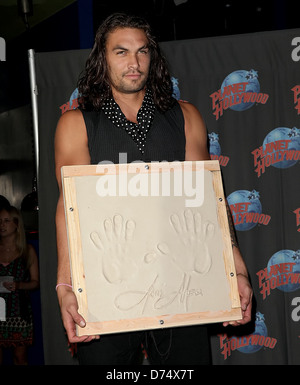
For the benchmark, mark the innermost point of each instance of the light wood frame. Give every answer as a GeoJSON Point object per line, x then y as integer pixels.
{"type": "Point", "coordinates": [76, 253]}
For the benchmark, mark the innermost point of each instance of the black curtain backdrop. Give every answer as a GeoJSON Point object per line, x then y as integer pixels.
{"type": "Point", "coordinates": [247, 87]}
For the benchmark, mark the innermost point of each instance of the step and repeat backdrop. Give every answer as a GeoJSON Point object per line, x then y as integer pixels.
{"type": "Point", "coordinates": [247, 88]}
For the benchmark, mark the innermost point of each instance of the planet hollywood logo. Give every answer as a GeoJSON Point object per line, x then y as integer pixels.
{"type": "Point", "coordinates": [248, 344]}
{"type": "Point", "coordinates": [239, 91]}
{"type": "Point", "coordinates": [215, 149]}
{"type": "Point", "coordinates": [297, 212]}
{"type": "Point", "coordinates": [296, 91]}
{"type": "Point", "coordinates": [282, 273]}
{"type": "Point", "coordinates": [72, 103]}
{"type": "Point", "coordinates": [280, 149]}
{"type": "Point", "coordinates": [246, 210]}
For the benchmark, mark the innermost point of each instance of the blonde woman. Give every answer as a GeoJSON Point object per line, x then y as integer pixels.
{"type": "Point", "coordinates": [18, 275]}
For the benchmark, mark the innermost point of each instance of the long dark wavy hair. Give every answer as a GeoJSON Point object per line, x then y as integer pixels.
{"type": "Point", "coordinates": [94, 86]}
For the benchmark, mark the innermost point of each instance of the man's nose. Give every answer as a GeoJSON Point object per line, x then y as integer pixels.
{"type": "Point", "coordinates": [133, 61]}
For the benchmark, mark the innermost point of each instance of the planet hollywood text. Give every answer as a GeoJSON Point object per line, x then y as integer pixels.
{"type": "Point", "coordinates": [272, 153]}
{"type": "Point", "coordinates": [296, 91]}
{"type": "Point", "coordinates": [275, 276]}
{"type": "Point", "coordinates": [233, 95]}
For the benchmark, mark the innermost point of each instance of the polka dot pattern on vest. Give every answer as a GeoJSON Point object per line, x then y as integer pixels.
{"type": "Point", "coordinates": [138, 131]}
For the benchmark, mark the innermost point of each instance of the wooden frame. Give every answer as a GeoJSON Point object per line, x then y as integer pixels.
{"type": "Point", "coordinates": [161, 281]}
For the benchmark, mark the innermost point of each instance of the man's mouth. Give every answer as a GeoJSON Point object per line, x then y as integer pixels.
{"type": "Point", "coordinates": [133, 75]}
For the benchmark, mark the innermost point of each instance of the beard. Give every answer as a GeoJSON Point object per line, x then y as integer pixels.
{"type": "Point", "coordinates": [128, 86]}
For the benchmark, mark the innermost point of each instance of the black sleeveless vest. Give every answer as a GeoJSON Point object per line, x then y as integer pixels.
{"type": "Point", "coordinates": [165, 139]}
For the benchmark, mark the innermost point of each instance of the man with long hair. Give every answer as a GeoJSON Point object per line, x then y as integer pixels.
{"type": "Point", "coordinates": [126, 106]}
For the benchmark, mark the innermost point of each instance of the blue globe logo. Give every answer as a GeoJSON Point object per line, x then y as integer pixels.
{"type": "Point", "coordinates": [249, 202]}
{"type": "Point", "coordinates": [283, 133]}
{"type": "Point", "coordinates": [241, 76]}
{"type": "Point", "coordinates": [75, 95]}
{"type": "Point", "coordinates": [286, 256]}
{"type": "Point", "coordinates": [176, 91]}
{"type": "Point", "coordinates": [260, 330]}
{"type": "Point", "coordinates": [214, 146]}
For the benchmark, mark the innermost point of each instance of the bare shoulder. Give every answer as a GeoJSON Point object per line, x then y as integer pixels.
{"type": "Point", "coordinates": [71, 141]}
{"type": "Point", "coordinates": [71, 127]}
{"type": "Point", "coordinates": [190, 112]}
{"type": "Point", "coordinates": [72, 118]}
{"type": "Point", "coordinates": [186, 106]}
{"type": "Point", "coordinates": [195, 133]}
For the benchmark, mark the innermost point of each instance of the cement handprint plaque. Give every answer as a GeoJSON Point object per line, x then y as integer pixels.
{"type": "Point", "coordinates": [149, 245]}
{"type": "Point", "coordinates": [114, 241]}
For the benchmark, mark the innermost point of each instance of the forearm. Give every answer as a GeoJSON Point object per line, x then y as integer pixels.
{"type": "Point", "coordinates": [240, 265]}
{"type": "Point", "coordinates": [63, 262]}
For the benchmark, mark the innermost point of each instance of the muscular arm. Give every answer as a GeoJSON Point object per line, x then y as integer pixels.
{"type": "Point", "coordinates": [197, 149]}
{"type": "Point", "coordinates": [71, 148]}
{"type": "Point", "coordinates": [195, 133]}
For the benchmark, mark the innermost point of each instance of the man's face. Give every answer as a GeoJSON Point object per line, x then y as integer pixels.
{"type": "Point", "coordinates": [128, 59]}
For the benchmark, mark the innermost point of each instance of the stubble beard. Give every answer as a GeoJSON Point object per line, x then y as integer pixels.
{"type": "Point", "coordinates": [131, 87]}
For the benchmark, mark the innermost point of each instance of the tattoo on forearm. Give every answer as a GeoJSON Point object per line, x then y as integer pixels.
{"type": "Point", "coordinates": [231, 227]}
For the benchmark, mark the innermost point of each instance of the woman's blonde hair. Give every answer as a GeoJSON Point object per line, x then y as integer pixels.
{"type": "Point", "coordinates": [16, 216]}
